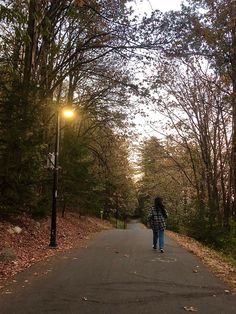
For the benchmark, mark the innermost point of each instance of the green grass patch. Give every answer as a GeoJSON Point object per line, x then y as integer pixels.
{"type": "Point", "coordinates": [119, 224]}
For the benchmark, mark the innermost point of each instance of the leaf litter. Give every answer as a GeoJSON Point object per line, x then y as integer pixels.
{"type": "Point", "coordinates": [32, 244]}
{"type": "Point", "coordinates": [211, 258]}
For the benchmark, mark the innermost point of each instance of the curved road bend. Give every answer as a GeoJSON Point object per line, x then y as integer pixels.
{"type": "Point", "coordinates": [118, 272]}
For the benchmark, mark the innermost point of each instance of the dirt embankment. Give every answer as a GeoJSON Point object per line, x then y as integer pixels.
{"type": "Point", "coordinates": [24, 241]}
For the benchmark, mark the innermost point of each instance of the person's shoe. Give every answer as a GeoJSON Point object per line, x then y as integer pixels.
{"type": "Point", "coordinates": [154, 247]}
{"type": "Point", "coordinates": [161, 250]}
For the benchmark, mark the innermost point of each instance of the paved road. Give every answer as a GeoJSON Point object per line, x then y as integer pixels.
{"type": "Point", "coordinates": [118, 273]}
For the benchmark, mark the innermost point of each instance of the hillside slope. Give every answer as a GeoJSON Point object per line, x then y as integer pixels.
{"type": "Point", "coordinates": [24, 241]}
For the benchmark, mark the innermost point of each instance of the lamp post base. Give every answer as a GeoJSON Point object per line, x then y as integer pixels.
{"type": "Point", "coordinates": [53, 245]}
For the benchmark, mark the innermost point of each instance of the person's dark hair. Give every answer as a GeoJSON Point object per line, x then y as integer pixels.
{"type": "Point", "coordinates": [158, 203]}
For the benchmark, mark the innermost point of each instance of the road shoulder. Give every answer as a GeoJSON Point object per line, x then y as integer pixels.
{"type": "Point", "coordinates": [214, 260]}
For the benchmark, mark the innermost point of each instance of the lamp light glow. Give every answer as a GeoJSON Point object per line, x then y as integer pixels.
{"type": "Point", "coordinates": [68, 113]}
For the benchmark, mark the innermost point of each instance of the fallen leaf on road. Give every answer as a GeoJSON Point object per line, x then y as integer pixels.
{"type": "Point", "coordinates": [190, 309]}
{"type": "Point", "coordinates": [227, 291]}
{"type": "Point", "coordinates": [85, 299]}
{"type": "Point", "coordinates": [195, 270]}
{"type": "Point", "coordinates": [116, 252]}
{"type": "Point", "coordinates": [75, 257]}
{"type": "Point", "coordinates": [126, 255]}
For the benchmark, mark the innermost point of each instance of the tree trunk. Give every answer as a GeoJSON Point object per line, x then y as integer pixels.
{"type": "Point", "coordinates": [30, 48]}
{"type": "Point", "coordinates": [233, 155]}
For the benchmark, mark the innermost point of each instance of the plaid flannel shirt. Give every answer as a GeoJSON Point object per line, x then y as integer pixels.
{"type": "Point", "coordinates": [156, 219]}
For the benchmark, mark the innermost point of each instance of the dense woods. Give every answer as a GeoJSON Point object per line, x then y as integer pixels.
{"type": "Point", "coordinates": [86, 55]}
{"type": "Point", "coordinates": [56, 54]}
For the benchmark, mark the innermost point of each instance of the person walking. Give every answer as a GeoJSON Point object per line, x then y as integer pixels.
{"type": "Point", "coordinates": [156, 220]}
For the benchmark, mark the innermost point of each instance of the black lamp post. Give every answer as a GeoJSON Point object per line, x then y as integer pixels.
{"type": "Point", "coordinates": [53, 238]}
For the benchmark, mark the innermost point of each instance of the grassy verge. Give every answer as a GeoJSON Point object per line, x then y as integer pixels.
{"type": "Point", "coordinates": [119, 224]}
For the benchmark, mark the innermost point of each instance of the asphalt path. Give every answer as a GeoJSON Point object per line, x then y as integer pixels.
{"type": "Point", "coordinates": [118, 272]}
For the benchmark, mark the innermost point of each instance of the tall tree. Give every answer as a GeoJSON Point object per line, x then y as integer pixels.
{"type": "Point", "coordinates": [54, 52]}
{"type": "Point", "coordinates": [207, 28]}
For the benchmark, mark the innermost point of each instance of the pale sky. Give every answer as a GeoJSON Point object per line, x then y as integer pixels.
{"type": "Point", "coordinates": [147, 6]}
{"type": "Point", "coordinates": [141, 7]}
{"type": "Point", "coordinates": [142, 123]}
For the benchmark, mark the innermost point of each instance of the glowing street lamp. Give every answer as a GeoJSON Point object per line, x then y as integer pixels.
{"type": "Point", "coordinates": [67, 113]}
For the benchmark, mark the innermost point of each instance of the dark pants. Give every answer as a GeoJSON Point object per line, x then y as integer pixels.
{"type": "Point", "coordinates": [158, 234]}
